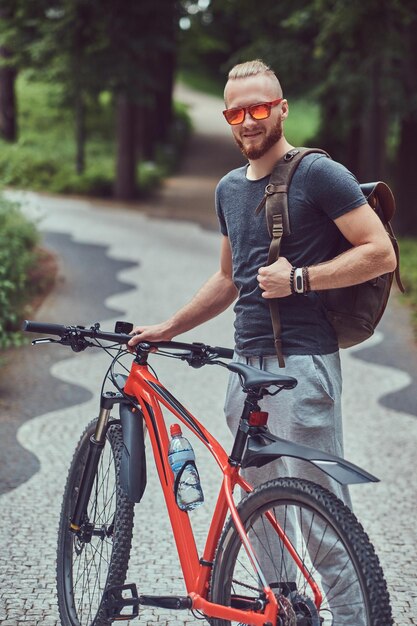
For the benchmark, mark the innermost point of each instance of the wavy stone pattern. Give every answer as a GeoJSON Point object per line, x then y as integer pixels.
{"type": "Point", "coordinates": [166, 262]}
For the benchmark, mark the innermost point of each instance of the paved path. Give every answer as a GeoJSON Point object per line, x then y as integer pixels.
{"type": "Point", "coordinates": [150, 268]}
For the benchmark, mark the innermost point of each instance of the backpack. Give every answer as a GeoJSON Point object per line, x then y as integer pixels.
{"type": "Point", "coordinates": [355, 311]}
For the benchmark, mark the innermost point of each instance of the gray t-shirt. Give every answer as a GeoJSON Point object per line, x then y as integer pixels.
{"type": "Point", "coordinates": [321, 191]}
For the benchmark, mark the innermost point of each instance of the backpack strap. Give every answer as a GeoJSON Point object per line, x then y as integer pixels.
{"type": "Point", "coordinates": [278, 222]}
{"type": "Point", "coordinates": [380, 197]}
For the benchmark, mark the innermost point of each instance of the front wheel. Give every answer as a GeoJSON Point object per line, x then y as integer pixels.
{"type": "Point", "coordinates": [97, 556]}
{"type": "Point", "coordinates": [332, 547]}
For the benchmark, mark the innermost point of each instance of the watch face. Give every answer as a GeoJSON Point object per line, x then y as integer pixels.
{"type": "Point", "coordinates": [299, 283]}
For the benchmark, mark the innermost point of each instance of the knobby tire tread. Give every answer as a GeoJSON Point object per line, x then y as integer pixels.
{"type": "Point", "coordinates": [343, 519]}
{"type": "Point", "coordinates": [124, 528]}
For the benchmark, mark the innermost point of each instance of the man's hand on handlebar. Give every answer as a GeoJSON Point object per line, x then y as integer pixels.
{"type": "Point", "coordinates": [157, 332]}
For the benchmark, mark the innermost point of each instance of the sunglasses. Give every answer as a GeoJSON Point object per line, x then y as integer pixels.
{"type": "Point", "coordinates": [259, 111]}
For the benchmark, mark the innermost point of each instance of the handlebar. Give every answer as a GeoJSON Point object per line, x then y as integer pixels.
{"type": "Point", "coordinates": [93, 332]}
{"type": "Point", "coordinates": [76, 337]}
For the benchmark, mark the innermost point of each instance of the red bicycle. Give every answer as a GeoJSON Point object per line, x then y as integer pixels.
{"type": "Point", "coordinates": [289, 554]}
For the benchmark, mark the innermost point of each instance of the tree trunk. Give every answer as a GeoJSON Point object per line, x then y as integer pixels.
{"type": "Point", "coordinates": [8, 123]}
{"type": "Point", "coordinates": [8, 117]}
{"type": "Point", "coordinates": [374, 133]}
{"type": "Point", "coordinates": [161, 63]}
{"type": "Point", "coordinates": [163, 103]}
{"type": "Point", "coordinates": [406, 157]}
{"type": "Point", "coordinates": [405, 186]}
{"type": "Point", "coordinates": [125, 183]}
{"type": "Point", "coordinates": [80, 133]}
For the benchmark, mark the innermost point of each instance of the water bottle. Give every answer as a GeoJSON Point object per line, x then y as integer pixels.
{"type": "Point", "coordinates": [188, 492]}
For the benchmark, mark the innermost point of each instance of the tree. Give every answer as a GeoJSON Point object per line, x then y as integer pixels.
{"type": "Point", "coordinates": [139, 53]}
{"type": "Point", "coordinates": [406, 96]}
{"type": "Point", "coordinates": [8, 116]}
{"type": "Point", "coordinates": [359, 59]}
{"type": "Point", "coordinates": [8, 122]}
{"type": "Point", "coordinates": [127, 49]}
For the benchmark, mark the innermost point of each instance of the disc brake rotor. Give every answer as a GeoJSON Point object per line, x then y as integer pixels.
{"type": "Point", "coordinates": [304, 609]}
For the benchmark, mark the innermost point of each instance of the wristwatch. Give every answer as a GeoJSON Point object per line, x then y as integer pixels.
{"type": "Point", "coordinates": [299, 280]}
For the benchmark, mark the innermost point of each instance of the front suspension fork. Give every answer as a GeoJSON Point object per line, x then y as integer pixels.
{"type": "Point", "coordinates": [96, 445]}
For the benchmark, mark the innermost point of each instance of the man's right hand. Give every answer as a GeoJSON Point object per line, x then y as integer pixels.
{"type": "Point", "coordinates": [157, 332]}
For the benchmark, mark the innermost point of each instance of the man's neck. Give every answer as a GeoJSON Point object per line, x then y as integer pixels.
{"type": "Point", "coordinates": [258, 168]}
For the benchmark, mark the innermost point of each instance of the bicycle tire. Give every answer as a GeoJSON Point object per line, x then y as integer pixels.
{"type": "Point", "coordinates": [359, 593]}
{"type": "Point", "coordinates": [86, 568]}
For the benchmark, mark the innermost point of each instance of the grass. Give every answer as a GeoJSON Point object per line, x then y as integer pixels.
{"type": "Point", "coordinates": [43, 158]}
{"type": "Point", "coordinates": [408, 255]}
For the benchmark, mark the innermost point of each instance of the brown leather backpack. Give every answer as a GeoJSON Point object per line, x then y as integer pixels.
{"type": "Point", "coordinates": [353, 311]}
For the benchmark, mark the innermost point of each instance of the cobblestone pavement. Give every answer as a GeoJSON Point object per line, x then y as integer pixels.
{"type": "Point", "coordinates": [159, 259]}
{"type": "Point", "coordinates": [378, 438]}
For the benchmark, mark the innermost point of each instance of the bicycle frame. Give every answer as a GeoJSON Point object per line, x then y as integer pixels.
{"type": "Point", "coordinates": [151, 394]}
{"type": "Point", "coordinates": [141, 398]}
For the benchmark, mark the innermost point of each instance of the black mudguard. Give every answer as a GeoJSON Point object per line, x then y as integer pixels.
{"type": "Point", "coordinates": [133, 461]}
{"type": "Point", "coordinates": [262, 448]}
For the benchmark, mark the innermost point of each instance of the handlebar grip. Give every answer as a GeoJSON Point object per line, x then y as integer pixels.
{"type": "Point", "coordinates": [224, 353]}
{"type": "Point", "coordinates": [44, 328]}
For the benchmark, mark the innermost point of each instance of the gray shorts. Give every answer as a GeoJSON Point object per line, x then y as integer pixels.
{"type": "Point", "coordinates": [309, 414]}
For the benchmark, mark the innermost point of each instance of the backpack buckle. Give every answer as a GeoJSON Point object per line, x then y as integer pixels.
{"type": "Point", "coordinates": [277, 227]}
{"type": "Point", "coordinates": [291, 154]}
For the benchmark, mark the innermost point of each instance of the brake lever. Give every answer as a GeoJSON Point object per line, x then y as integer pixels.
{"type": "Point", "coordinates": [45, 340]}
{"type": "Point", "coordinates": [77, 344]}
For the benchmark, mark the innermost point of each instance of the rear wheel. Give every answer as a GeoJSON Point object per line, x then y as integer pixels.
{"type": "Point", "coordinates": [97, 556]}
{"type": "Point", "coordinates": [330, 543]}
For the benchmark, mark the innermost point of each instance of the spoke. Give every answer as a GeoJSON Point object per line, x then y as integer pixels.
{"type": "Point", "coordinates": [90, 566]}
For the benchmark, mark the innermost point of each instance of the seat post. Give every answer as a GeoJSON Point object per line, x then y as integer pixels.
{"type": "Point", "coordinates": [250, 405]}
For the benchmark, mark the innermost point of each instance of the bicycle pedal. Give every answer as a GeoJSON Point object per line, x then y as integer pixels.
{"type": "Point", "coordinates": [115, 601]}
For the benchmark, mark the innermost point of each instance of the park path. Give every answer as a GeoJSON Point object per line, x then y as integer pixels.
{"type": "Point", "coordinates": [139, 268]}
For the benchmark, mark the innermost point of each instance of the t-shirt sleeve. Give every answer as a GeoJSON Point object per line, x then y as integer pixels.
{"type": "Point", "coordinates": [332, 187]}
{"type": "Point", "coordinates": [220, 215]}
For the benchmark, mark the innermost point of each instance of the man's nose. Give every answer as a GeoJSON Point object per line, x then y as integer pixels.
{"type": "Point", "coordinates": [248, 119]}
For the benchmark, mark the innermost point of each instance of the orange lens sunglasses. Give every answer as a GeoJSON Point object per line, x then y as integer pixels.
{"type": "Point", "coordinates": [259, 111]}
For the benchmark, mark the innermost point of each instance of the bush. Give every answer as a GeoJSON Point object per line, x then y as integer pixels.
{"type": "Point", "coordinates": [43, 158]}
{"type": "Point", "coordinates": [408, 255]}
{"type": "Point", "coordinates": [19, 256]}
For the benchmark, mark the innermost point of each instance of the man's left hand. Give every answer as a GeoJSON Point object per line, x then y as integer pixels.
{"type": "Point", "coordinates": [274, 280]}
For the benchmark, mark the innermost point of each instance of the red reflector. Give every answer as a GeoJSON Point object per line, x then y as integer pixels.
{"type": "Point", "coordinates": [258, 418]}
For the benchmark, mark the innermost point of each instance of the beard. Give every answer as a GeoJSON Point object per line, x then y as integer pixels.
{"type": "Point", "coordinates": [268, 141]}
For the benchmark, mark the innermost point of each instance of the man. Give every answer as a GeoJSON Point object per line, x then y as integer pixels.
{"type": "Point", "coordinates": [324, 199]}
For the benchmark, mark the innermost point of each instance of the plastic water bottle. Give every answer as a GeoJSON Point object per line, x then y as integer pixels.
{"type": "Point", "coordinates": [189, 494]}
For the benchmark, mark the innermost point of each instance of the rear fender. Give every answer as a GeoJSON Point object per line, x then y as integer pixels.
{"type": "Point", "coordinates": [262, 448]}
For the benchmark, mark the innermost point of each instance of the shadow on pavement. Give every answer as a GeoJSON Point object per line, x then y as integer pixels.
{"type": "Point", "coordinates": [27, 388]}
{"type": "Point", "coordinates": [397, 350]}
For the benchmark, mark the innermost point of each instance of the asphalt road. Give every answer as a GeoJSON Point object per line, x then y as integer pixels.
{"type": "Point", "coordinates": [118, 262]}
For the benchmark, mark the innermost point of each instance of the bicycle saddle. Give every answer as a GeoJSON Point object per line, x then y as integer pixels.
{"type": "Point", "coordinates": [254, 378]}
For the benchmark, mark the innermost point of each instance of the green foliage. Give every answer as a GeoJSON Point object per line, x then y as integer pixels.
{"type": "Point", "coordinates": [408, 250]}
{"type": "Point", "coordinates": [43, 157]}
{"type": "Point", "coordinates": [18, 257]}
{"type": "Point", "coordinates": [125, 49]}
{"type": "Point", "coordinates": [225, 33]}
{"type": "Point", "coordinates": [358, 60]}
{"type": "Point", "coordinates": [303, 121]}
